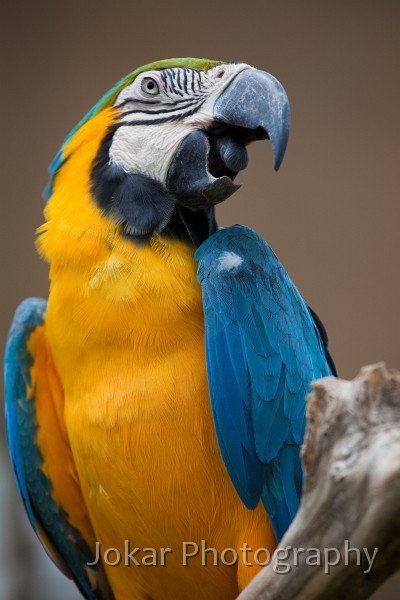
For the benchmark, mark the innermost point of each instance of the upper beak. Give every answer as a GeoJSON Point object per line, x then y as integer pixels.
{"type": "Point", "coordinates": [253, 106]}
{"type": "Point", "coordinates": [256, 100]}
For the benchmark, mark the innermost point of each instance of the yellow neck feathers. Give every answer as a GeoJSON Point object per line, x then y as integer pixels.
{"type": "Point", "coordinates": [102, 283]}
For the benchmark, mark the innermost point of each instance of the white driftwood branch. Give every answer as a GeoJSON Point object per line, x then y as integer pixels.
{"type": "Point", "coordinates": [351, 460]}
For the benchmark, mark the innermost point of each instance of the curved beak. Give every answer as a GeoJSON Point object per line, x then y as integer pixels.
{"type": "Point", "coordinates": [257, 101]}
{"type": "Point", "coordinates": [253, 106]}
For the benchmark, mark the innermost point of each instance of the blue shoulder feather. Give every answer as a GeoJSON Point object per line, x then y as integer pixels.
{"type": "Point", "coordinates": [262, 349]}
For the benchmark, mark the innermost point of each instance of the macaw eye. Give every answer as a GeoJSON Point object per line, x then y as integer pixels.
{"type": "Point", "coordinates": [150, 86]}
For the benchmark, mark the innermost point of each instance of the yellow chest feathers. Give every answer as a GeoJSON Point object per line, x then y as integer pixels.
{"type": "Point", "coordinates": [126, 325]}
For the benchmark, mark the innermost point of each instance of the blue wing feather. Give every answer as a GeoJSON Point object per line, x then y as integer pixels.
{"type": "Point", "coordinates": [233, 430]}
{"type": "Point", "coordinates": [61, 540]}
{"type": "Point", "coordinates": [262, 349]}
{"type": "Point", "coordinates": [16, 374]}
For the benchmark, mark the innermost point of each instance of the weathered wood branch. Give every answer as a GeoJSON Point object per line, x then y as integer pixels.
{"type": "Point", "coordinates": [351, 495]}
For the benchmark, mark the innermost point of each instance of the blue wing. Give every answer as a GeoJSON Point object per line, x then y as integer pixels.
{"type": "Point", "coordinates": [64, 543]}
{"type": "Point", "coordinates": [263, 348]}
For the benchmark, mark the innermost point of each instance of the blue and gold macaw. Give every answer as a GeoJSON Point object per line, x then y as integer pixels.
{"type": "Point", "coordinates": [146, 411]}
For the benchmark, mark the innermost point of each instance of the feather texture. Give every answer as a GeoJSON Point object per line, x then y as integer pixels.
{"type": "Point", "coordinates": [262, 350]}
{"type": "Point", "coordinates": [62, 540]}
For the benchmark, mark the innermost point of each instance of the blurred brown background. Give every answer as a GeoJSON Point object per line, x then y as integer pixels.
{"type": "Point", "coordinates": [331, 213]}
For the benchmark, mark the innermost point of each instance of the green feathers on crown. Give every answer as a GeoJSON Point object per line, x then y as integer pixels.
{"type": "Point", "coordinates": [109, 98]}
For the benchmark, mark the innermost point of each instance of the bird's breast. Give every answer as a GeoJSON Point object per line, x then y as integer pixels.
{"type": "Point", "coordinates": [131, 360]}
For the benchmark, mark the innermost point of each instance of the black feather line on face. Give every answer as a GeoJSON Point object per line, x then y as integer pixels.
{"type": "Point", "coordinates": [141, 206]}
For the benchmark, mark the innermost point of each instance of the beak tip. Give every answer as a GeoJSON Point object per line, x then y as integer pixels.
{"type": "Point", "coordinates": [278, 156]}
{"type": "Point", "coordinates": [280, 141]}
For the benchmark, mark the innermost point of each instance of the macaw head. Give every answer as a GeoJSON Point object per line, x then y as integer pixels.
{"type": "Point", "coordinates": [164, 146]}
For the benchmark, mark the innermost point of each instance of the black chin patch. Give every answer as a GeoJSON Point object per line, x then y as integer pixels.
{"type": "Point", "coordinates": [142, 205]}
{"type": "Point", "coordinates": [139, 204]}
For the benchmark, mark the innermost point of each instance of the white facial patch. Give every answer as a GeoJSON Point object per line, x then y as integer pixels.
{"type": "Point", "coordinates": [147, 149]}
{"type": "Point", "coordinates": [155, 124]}
{"type": "Point", "coordinates": [227, 261]}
